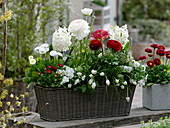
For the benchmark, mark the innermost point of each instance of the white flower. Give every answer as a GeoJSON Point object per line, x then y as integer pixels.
{"type": "Point", "coordinates": [32, 61]}
{"type": "Point", "coordinates": [65, 79]}
{"type": "Point", "coordinates": [79, 28]}
{"type": "Point", "coordinates": [107, 82]}
{"type": "Point", "coordinates": [120, 34]}
{"type": "Point", "coordinates": [102, 74]}
{"type": "Point", "coordinates": [117, 81]}
{"type": "Point", "coordinates": [100, 55]}
{"type": "Point", "coordinates": [125, 83]}
{"type": "Point", "coordinates": [77, 81]}
{"type": "Point", "coordinates": [30, 57]}
{"type": "Point", "coordinates": [87, 11]}
{"type": "Point", "coordinates": [61, 40]}
{"type": "Point", "coordinates": [83, 78]}
{"type": "Point", "coordinates": [134, 82]}
{"type": "Point", "coordinates": [91, 75]}
{"type": "Point", "coordinates": [69, 72]}
{"type": "Point", "coordinates": [122, 87]}
{"type": "Point", "coordinates": [45, 46]}
{"type": "Point", "coordinates": [69, 85]}
{"type": "Point", "coordinates": [127, 99]}
{"type": "Point", "coordinates": [93, 85]}
{"type": "Point", "coordinates": [90, 81]}
{"type": "Point", "coordinates": [42, 50]}
{"type": "Point", "coordinates": [141, 82]}
{"type": "Point", "coordinates": [144, 67]}
{"type": "Point", "coordinates": [37, 49]}
{"type": "Point", "coordinates": [136, 64]}
{"type": "Point", "coordinates": [128, 69]}
{"type": "Point", "coordinates": [93, 71]}
{"type": "Point", "coordinates": [79, 73]}
{"type": "Point", "coordinates": [53, 53]}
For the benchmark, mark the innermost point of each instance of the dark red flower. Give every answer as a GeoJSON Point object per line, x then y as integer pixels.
{"type": "Point", "coordinates": [100, 34]}
{"type": "Point", "coordinates": [150, 63]}
{"type": "Point", "coordinates": [167, 54]}
{"type": "Point", "coordinates": [148, 50]}
{"type": "Point", "coordinates": [161, 47]}
{"type": "Point", "coordinates": [60, 65]}
{"type": "Point", "coordinates": [154, 45]}
{"type": "Point", "coordinates": [39, 73]}
{"type": "Point", "coordinates": [142, 57]}
{"type": "Point", "coordinates": [95, 44]}
{"type": "Point", "coordinates": [49, 72]}
{"type": "Point", "coordinates": [54, 68]}
{"type": "Point", "coordinates": [160, 52]}
{"type": "Point", "coordinates": [115, 45]}
{"type": "Point", "coordinates": [157, 61]}
{"type": "Point", "coordinates": [150, 55]}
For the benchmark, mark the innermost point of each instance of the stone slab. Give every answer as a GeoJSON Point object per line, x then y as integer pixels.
{"type": "Point", "coordinates": [137, 115]}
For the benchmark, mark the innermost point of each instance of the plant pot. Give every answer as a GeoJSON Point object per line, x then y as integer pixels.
{"type": "Point", "coordinates": [65, 104]}
{"type": "Point", "coordinates": [157, 97]}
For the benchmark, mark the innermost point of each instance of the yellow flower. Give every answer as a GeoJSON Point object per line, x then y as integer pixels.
{"type": "Point", "coordinates": [18, 103]}
{"type": "Point", "coordinates": [3, 94]}
{"type": "Point", "coordinates": [26, 93]}
{"type": "Point", "coordinates": [24, 109]}
{"type": "Point", "coordinates": [8, 103]}
{"type": "Point", "coordinates": [22, 95]}
{"type": "Point", "coordinates": [12, 96]}
{"type": "Point", "coordinates": [1, 76]}
{"type": "Point", "coordinates": [9, 81]}
{"type": "Point", "coordinates": [11, 108]}
{"type": "Point", "coordinates": [6, 16]}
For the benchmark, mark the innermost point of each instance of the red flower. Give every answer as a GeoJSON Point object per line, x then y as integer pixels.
{"type": "Point", "coordinates": [49, 66]}
{"type": "Point", "coordinates": [100, 34]}
{"type": "Point", "coordinates": [39, 73]}
{"type": "Point", "coordinates": [45, 69]}
{"type": "Point", "coordinates": [60, 65]}
{"type": "Point", "coordinates": [49, 72]}
{"type": "Point", "coordinates": [142, 57]}
{"type": "Point", "coordinates": [157, 61]}
{"type": "Point", "coordinates": [160, 52]}
{"type": "Point", "coordinates": [54, 68]}
{"type": "Point", "coordinates": [148, 50]}
{"type": "Point", "coordinates": [95, 44]}
{"type": "Point", "coordinates": [161, 47]}
{"type": "Point", "coordinates": [150, 63]}
{"type": "Point", "coordinates": [115, 45]}
{"type": "Point", "coordinates": [150, 55]}
{"type": "Point", "coordinates": [154, 46]}
{"type": "Point", "coordinates": [167, 54]}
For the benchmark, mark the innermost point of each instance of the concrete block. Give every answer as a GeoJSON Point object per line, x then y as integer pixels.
{"type": "Point", "coordinates": [157, 97]}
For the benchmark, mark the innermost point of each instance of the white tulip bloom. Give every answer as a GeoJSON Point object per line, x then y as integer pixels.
{"type": "Point", "coordinates": [83, 78]}
{"type": "Point", "coordinates": [117, 81]}
{"type": "Point", "coordinates": [122, 87]}
{"type": "Point", "coordinates": [107, 82]}
{"type": "Point", "coordinates": [127, 99]}
{"type": "Point", "coordinates": [90, 81]}
{"type": "Point", "coordinates": [93, 71]}
{"type": "Point", "coordinates": [93, 85]}
{"type": "Point", "coordinates": [125, 82]}
{"type": "Point", "coordinates": [87, 11]}
{"type": "Point", "coordinates": [69, 85]}
{"type": "Point", "coordinates": [102, 74]}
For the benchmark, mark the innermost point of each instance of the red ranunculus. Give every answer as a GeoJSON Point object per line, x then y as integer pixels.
{"type": "Point", "coordinates": [115, 45]}
{"type": "Point", "coordinates": [160, 52]}
{"type": "Point", "coordinates": [100, 34]}
{"type": "Point", "coordinates": [54, 68]}
{"type": "Point", "coordinates": [154, 45]}
{"type": "Point", "coordinates": [49, 72]}
{"type": "Point", "coordinates": [148, 50]}
{"type": "Point", "coordinates": [150, 63]}
{"type": "Point", "coordinates": [161, 47]}
{"type": "Point", "coordinates": [60, 65]}
{"type": "Point", "coordinates": [167, 54]}
{"type": "Point", "coordinates": [150, 55]}
{"type": "Point", "coordinates": [157, 61]}
{"type": "Point", "coordinates": [95, 44]}
{"type": "Point", "coordinates": [142, 57]}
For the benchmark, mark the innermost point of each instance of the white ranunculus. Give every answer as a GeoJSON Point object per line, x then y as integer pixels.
{"type": "Point", "coordinates": [87, 11]}
{"type": "Point", "coordinates": [79, 28]}
{"type": "Point", "coordinates": [127, 99]}
{"type": "Point", "coordinates": [53, 53]}
{"type": "Point", "coordinates": [93, 85]}
{"type": "Point", "coordinates": [61, 40]}
{"type": "Point", "coordinates": [107, 82]}
{"type": "Point", "coordinates": [30, 57]}
{"type": "Point", "coordinates": [120, 34]}
{"type": "Point", "coordinates": [69, 85]}
{"type": "Point", "coordinates": [122, 87]}
{"type": "Point", "coordinates": [83, 78]}
{"type": "Point", "coordinates": [32, 61]}
{"type": "Point", "coordinates": [93, 71]}
{"type": "Point", "coordinates": [102, 74]}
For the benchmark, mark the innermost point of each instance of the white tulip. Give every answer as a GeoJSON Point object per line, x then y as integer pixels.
{"type": "Point", "coordinates": [91, 75]}
{"type": "Point", "coordinates": [125, 82]}
{"type": "Point", "coordinates": [93, 71]}
{"type": "Point", "coordinates": [102, 74]}
{"type": "Point", "coordinates": [107, 82]}
{"type": "Point", "coordinates": [93, 85]}
{"type": "Point", "coordinates": [69, 85]}
{"type": "Point", "coordinates": [117, 81]}
{"type": "Point", "coordinates": [87, 11]}
{"type": "Point", "coordinates": [90, 81]}
{"type": "Point", "coordinates": [127, 99]}
{"type": "Point", "coordinates": [122, 87]}
{"type": "Point", "coordinates": [83, 78]}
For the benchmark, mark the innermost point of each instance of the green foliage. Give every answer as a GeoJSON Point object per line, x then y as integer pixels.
{"type": "Point", "coordinates": [32, 23]}
{"type": "Point", "coordinates": [161, 123]}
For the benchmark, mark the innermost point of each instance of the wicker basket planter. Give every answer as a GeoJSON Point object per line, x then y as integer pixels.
{"type": "Point", "coordinates": [65, 104]}
{"type": "Point", "coordinates": [157, 97]}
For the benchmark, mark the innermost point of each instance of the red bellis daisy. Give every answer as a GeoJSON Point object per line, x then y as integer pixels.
{"type": "Point", "coordinates": [150, 63]}
{"type": "Point", "coordinates": [49, 72]}
{"type": "Point", "coordinates": [95, 44]}
{"type": "Point", "coordinates": [148, 50]}
{"type": "Point", "coordinates": [150, 55]}
{"type": "Point", "coordinates": [160, 52]}
{"type": "Point", "coordinates": [115, 45]}
{"type": "Point", "coordinates": [142, 57]}
{"type": "Point", "coordinates": [161, 47]}
{"type": "Point", "coordinates": [157, 61]}
{"type": "Point", "coordinates": [154, 45]}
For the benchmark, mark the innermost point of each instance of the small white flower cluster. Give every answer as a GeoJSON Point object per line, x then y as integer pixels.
{"type": "Point", "coordinates": [119, 33]}
{"type": "Point", "coordinates": [32, 60]}
{"type": "Point", "coordinates": [61, 40]}
{"type": "Point", "coordinates": [44, 48]}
